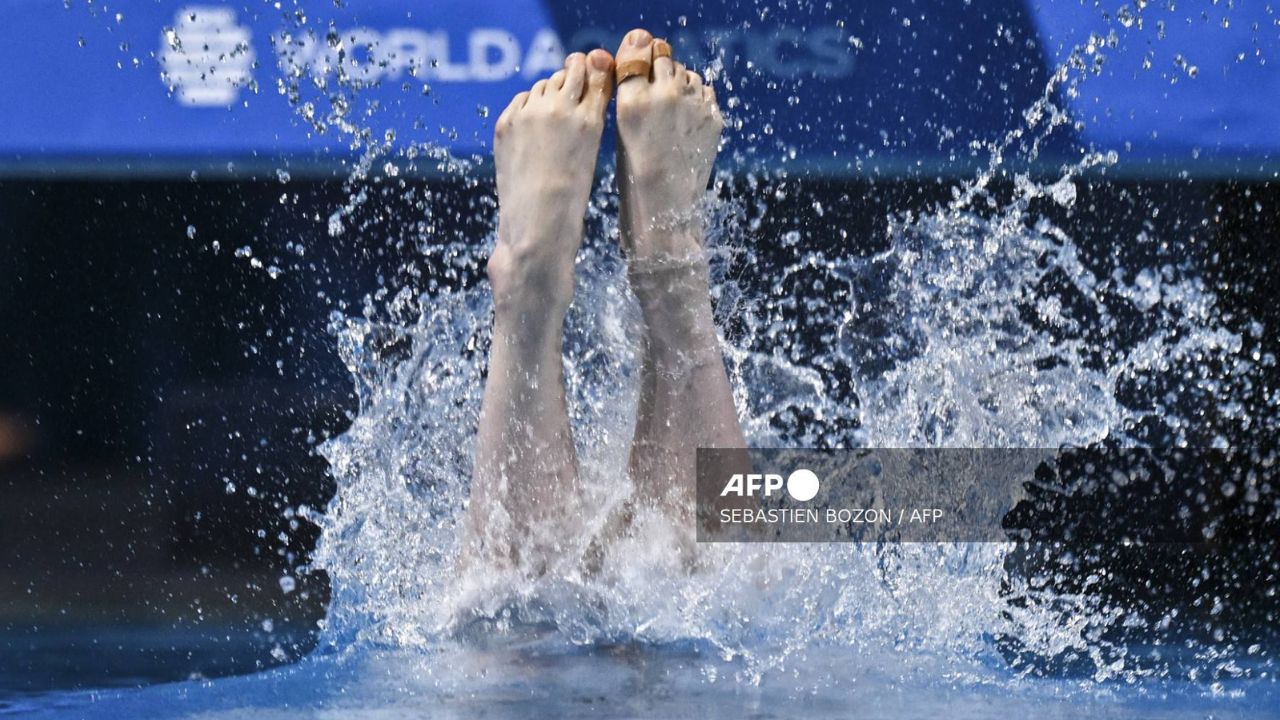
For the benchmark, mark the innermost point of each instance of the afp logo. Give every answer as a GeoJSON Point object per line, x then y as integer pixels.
{"type": "Point", "coordinates": [802, 485]}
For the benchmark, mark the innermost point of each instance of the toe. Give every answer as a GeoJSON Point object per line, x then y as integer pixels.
{"type": "Point", "coordinates": [516, 103]}
{"type": "Point", "coordinates": [664, 68]}
{"type": "Point", "coordinates": [694, 80]}
{"type": "Point", "coordinates": [538, 90]}
{"type": "Point", "coordinates": [504, 120]}
{"type": "Point", "coordinates": [633, 60]}
{"type": "Point", "coordinates": [599, 79]}
{"type": "Point", "coordinates": [709, 97]}
{"type": "Point", "coordinates": [556, 81]}
{"type": "Point", "coordinates": [575, 76]}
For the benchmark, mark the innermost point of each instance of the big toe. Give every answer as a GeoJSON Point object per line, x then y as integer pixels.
{"type": "Point", "coordinates": [633, 60]}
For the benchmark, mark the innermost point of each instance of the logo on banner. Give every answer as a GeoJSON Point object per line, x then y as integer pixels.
{"type": "Point", "coordinates": [206, 58]}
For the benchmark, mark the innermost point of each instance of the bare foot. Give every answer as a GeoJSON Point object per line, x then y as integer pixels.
{"type": "Point", "coordinates": [525, 480]}
{"type": "Point", "coordinates": [545, 147]}
{"type": "Point", "coordinates": [668, 134]}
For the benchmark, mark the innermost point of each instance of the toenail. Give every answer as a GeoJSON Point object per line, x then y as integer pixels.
{"type": "Point", "coordinates": [599, 61]}
{"type": "Point", "coordinates": [575, 57]}
{"type": "Point", "coordinates": [637, 38]}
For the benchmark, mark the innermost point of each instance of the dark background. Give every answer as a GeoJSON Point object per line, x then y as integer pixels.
{"type": "Point", "coordinates": [143, 371]}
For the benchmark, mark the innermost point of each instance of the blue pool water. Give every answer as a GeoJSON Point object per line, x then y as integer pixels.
{"type": "Point", "coordinates": [544, 678]}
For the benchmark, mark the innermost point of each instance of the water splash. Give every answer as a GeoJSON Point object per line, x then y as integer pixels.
{"type": "Point", "coordinates": [982, 324]}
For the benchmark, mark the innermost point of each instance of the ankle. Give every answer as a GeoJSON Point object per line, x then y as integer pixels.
{"type": "Point", "coordinates": [666, 281]}
{"type": "Point", "coordinates": [529, 283]}
{"type": "Point", "coordinates": [675, 303]}
{"type": "Point", "coordinates": [668, 236]}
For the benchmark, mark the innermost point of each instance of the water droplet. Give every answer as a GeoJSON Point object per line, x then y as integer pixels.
{"type": "Point", "coordinates": [1064, 192]}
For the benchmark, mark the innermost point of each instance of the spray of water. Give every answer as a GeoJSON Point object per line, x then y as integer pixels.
{"type": "Point", "coordinates": [981, 324]}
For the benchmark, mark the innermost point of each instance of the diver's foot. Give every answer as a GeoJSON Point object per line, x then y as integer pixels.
{"type": "Point", "coordinates": [545, 146]}
{"type": "Point", "coordinates": [668, 134]}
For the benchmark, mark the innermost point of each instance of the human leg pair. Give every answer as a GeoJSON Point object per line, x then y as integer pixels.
{"type": "Point", "coordinates": [526, 483]}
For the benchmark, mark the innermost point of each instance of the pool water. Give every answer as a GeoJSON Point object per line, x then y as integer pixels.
{"type": "Point", "coordinates": [542, 677]}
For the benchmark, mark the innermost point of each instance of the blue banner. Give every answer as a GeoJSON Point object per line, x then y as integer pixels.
{"type": "Point", "coordinates": [1192, 86]}
{"type": "Point", "coordinates": [210, 81]}
{"type": "Point", "coordinates": [864, 89]}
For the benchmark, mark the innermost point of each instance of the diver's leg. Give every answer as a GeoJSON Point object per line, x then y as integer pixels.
{"type": "Point", "coordinates": [525, 477]}
{"type": "Point", "coordinates": [668, 134]}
